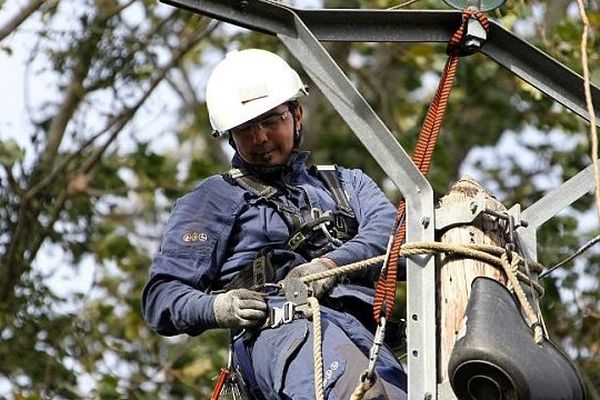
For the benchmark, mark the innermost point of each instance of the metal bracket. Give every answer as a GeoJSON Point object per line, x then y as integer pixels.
{"type": "Point", "coordinates": [475, 36]}
{"type": "Point", "coordinates": [550, 205]}
{"type": "Point", "coordinates": [511, 224]}
{"type": "Point", "coordinates": [449, 216]}
{"type": "Point", "coordinates": [296, 291]}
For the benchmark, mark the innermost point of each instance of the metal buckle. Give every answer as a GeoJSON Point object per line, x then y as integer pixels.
{"type": "Point", "coordinates": [316, 213]}
{"type": "Point", "coordinates": [236, 173]}
{"type": "Point", "coordinates": [279, 316]}
{"type": "Point", "coordinates": [324, 226]}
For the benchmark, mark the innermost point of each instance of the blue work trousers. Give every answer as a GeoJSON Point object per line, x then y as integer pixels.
{"type": "Point", "coordinates": [283, 363]}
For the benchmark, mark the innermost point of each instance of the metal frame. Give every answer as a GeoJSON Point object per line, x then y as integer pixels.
{"type": "Point", "coordinates": [301, 32]}
{"type": "Point", "coordinates": [364, 25]}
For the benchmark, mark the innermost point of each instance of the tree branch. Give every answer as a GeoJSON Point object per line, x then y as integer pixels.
{"type": "Point", "coordinates": [12, 24]}
{"type": "Point", "coordinates": [127, 115]}
{"type": "Point", "coordinates": [555, 11]}
{"type": "Point", "coordinates": [49, 178]}
{"type": "Point", "coordinates": [12, 181]}
{"type": "Point", "coordinates": [75, 92]}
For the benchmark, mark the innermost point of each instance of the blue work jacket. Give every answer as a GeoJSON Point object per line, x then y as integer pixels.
{"type": "Point", "coordinates": [217, 229]}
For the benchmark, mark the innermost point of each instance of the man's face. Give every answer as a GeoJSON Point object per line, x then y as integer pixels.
{"type": "Point", "coordinates": [268, 139]}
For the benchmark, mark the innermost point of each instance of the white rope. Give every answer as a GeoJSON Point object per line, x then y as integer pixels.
{"type": "Point", "coordinates": [317, 357]}
{"type": "Point", "coordinates": [493, 255]}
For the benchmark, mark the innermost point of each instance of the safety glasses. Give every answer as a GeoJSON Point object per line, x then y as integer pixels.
{"type": "Point", "coordinates": [270, 122]}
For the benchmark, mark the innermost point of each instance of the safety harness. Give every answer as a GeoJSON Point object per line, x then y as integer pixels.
{"type": "Point", "coordinates": [310, 228]}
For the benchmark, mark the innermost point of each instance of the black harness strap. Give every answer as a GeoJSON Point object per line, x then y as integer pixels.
{"type": "Point", "coordinates": [256, 274]}
{"type": "Point", "coordinates": [266, 192]}
{"type": "Point", "coordinates": [305, 236]}
{"type": "Point", "coordinates": [252, 185]}
{"type": "Point", "coordinates": [329, 175]}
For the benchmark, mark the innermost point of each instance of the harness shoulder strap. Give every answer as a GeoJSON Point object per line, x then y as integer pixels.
{"type": "Point", "coordinates": [330, 175]}
{"type": "Point", "coordinates": [264, 191]}
{"type": "Point", "coordinates": [252, 185]}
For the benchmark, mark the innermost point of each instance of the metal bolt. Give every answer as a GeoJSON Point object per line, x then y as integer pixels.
{"type": "Point", "coordinates": [428, 396]}
{"type": "Point", "coordinates": [475, 36]}
{"type": "Point", "coordinates": [425, 221]}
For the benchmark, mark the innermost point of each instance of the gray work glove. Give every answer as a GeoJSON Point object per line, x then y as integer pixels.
{"type": "Point", "coordinates": [240, 308]}
{"type": "Point", "coordinates": [321, 286]}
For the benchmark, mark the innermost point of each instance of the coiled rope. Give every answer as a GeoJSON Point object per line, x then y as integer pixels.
{"type": "Point", "coordinates": [494, 255]}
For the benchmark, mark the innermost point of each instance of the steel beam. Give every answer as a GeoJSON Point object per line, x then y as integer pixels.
{"type": "Point", "coordinates": [540, 71]}
{"type": "Point", "coordinates": [364, 25]}
{"type": "Point", "coordinates": [551, 204]}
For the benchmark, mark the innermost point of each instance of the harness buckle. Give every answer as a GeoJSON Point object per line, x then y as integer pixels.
{"type": "Point", "coordinates": [281, 315]}
{"type": "Point", "coordinates": [328, 218]}
{"type": "Point", "coordinates": [296, 240]}
{"type": "Point", "coordinates": [315, 213]}
{"type": "Point", "coordinates": [236, 173]}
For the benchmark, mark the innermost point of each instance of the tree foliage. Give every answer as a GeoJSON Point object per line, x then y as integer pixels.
{"type": "Point", "coordinates": [115, 130]}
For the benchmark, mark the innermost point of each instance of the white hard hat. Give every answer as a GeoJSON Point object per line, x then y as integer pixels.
{"type": "Point", "coordinates": [248, 83]}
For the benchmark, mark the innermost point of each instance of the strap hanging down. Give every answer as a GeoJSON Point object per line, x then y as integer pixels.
{"type": "Point", "coordinates": [386, 285]}
{"type": "Point", "coordinates": [329, 174]}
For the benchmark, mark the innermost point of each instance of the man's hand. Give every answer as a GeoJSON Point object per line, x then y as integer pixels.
{"type": "Point", "coordinates": [321, 286]}
{"type": "Point", "coordinates": [240, 308]}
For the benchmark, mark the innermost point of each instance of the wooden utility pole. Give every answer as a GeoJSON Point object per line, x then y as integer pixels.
{"type": "Point", "coordinates": [457, 274]}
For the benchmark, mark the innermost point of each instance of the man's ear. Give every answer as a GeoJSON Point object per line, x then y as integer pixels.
{"type": "Point", "coordinates": [298, 114]}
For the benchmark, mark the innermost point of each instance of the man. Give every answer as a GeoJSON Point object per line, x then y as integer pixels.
{"type": "Point", "coordinates": [232, 241]}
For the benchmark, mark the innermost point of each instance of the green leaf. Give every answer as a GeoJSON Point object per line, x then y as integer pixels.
{"type": "Point", "coordinates": [10, 152]}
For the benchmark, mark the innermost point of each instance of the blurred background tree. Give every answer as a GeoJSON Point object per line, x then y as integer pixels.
{"type": "Point", "coordinates": [114, 129]}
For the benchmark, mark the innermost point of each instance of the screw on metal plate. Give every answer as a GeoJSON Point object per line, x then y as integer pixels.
{"type": "Point", "coordinates": [296, 291]}
{"type": "Point", "coordinates": [481, 5]}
